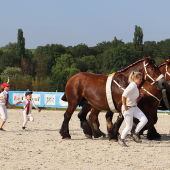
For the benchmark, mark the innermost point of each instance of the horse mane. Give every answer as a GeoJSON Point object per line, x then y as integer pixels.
{"type": "Point", "coordinates": [164, 63]}
{"type": "Point", "coordinates": [119, 71]}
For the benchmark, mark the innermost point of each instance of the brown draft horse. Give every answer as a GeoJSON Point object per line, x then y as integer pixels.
{"type": "Point", "coordinates": [90, 87]}
{"type": "Point", "coordinates": [150, 112]}
{"type": "Point", "coordinates": [165, 70]}
{"type": "Point", "coordinates": [152, 133]}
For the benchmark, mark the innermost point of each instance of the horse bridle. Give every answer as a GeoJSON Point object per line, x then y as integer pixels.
{"type": "Point", "coordinates": [166, 69]}
{"type": "Point", "coordinates": [146, 74]}
{"type": "Point", "coordinates": [146, 91]}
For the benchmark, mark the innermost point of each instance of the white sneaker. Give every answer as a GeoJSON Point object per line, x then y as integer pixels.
{"type": "Point", "coordinates": [136, 138]}
{"type": "Point", "coordinates": [122, 142]}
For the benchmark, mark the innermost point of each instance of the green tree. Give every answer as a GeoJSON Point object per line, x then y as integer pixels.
{"type": "Point", "coordinates": [64, 69]}
{"type": "Point", "coordinates": [137, 42]}
{"type": "Point", "coordinates": [8, 59]}
{"type": "Point", "coordinates": [9, 46]}
{"type": "Point", "coordinates": [120, 58]}
{"type": "Point", "coordinates": [149, 48]}
{"type": "Point", "coordinates": [88, 63]}
{"type": "Point", "coordinates": [20, 46]}
{"type": "Point", "coordinates": [41, 84]}
{"type": "Point", "coordinates": [79, 51]}
{"type": "Point", "coordinates": [104, 62]}
{"type": "Point", "coordinates": [12, 71]}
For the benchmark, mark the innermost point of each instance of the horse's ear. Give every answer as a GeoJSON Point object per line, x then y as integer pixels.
{"type": "Point", "coordinates": [145, 58]}
{"type": "Point", "coordinates": [150, 57]}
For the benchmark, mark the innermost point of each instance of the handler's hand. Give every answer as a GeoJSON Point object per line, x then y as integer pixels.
{"type": "Point", "coordinates": [126, 108]}
{"type": "Point", "coordinates": [4, 97]}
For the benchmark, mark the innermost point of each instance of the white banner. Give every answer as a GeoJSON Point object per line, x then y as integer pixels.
{"type": "Point", "coordinates": [49, 99]}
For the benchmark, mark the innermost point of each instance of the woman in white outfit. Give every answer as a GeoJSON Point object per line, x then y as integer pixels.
{"type": "Point", "coordinates": [3, 103]}
{"type": "Point", "coordinates": [130, 98]}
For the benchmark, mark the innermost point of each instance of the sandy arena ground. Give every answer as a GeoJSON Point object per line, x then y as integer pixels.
{"type": "Point", "coordinates": [40, 146]}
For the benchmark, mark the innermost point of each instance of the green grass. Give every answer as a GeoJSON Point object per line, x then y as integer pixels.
{"type": "Point", "coordinates": [42, 108]}
{"type": "Point", "coordinates": [163, 112]}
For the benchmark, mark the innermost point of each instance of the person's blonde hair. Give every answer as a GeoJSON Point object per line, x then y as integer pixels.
{"type": "Point", "coordinates": [133, 75]}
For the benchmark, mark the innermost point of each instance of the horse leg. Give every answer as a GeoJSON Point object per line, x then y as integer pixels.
{"type": "Point", "coordinates": [152, 119]}
{"type": "Point", "coordinates": [83, 121]}
{"type": "Point", "coordinates": [64, 131]}
{"type": "Point", "coordinates": [109, 116]}
{"type": "Point", "coordinates": [152, 133]}
{"type": "Point", "coordinates": [94, 123]}
{"type": "Point", "coordinates": [114, 132]}
{"type": "Point", "coordinates": [135, 122]}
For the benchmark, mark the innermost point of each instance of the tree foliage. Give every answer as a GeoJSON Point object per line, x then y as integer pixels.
{"type": "Point", "coordinates": [138, 41]}
{"type": "Point", "coordinates": [20, 50]}
{"type": "Point", "coordinates": [49, 67]}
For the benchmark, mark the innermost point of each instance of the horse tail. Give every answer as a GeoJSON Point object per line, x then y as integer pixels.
{"type": "Point", "coordinates": [64, 98]}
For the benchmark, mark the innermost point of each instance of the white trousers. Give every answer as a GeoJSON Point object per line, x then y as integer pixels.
{"type": "Point", "coordinates": [128, 117]}
{"type": "Point", "coordinates": [3, 112]}
{"type": "Point", "coordinates": [27, 118]}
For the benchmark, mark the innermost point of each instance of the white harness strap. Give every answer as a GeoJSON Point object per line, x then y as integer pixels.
{"type": "Point", "coordinates": [146, 74]}
{"type": "Point", "coordinates": [166, 72]}
{"type": "Point", "coordinates": [118, 85]}
{"type": "Point", "coordinates": [109, 94]}
{"type": "Point", "coordinates": [151, 94]}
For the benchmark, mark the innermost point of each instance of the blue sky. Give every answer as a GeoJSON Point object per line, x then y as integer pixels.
{"type": "Point", "coordinates": [71, 22]}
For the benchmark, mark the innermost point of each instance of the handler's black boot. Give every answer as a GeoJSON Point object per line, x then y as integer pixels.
{"type": "Point", "coordinates": [136, 137]}
{"type": "Point", "coordinates": [122, 142]}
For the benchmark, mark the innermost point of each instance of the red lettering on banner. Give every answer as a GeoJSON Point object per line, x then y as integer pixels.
{"type": "Point", "coordinates": [15, 98]}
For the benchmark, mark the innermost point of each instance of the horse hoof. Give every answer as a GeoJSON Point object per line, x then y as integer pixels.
{"type": "Point", "coordinates": [113, 140]}
{"type": "Point", "coordinates": [66, 138]}
{"type": "Point", "coordinates": [88, 136]}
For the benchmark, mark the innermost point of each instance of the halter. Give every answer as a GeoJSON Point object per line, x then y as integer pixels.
{"type": "Point", "coordinates": [146, 74]}
{"type": "Point", "coordinates": [146, 91]}
{"type": "Point", "coordinates": [166, 72]}
{"type": "Point", "coordinates": [159, 100]}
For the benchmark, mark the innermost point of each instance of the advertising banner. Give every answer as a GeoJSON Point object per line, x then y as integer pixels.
{"type": "Point", "coordinates": [47, 99]}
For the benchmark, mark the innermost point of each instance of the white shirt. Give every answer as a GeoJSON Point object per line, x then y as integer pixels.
{"type": "Point", "coordinates": [3, 101]}
{"type": "Point", "coordinates": [131, 93]}
{"type": "Point", "coordinates": [25, 103]}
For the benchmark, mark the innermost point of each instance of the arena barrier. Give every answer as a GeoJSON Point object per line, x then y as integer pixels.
{"type": "Point", "coordinates": [46, 99]}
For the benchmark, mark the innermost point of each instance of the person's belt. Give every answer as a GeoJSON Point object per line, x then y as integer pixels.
{"type": "Point", "coordinates": [131, 106]}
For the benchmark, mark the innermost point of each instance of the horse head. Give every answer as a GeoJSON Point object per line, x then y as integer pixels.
{"type": "Point", "coordinates": [167, 69]}
{"type": "Point", "coordinates": [152, 73]}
